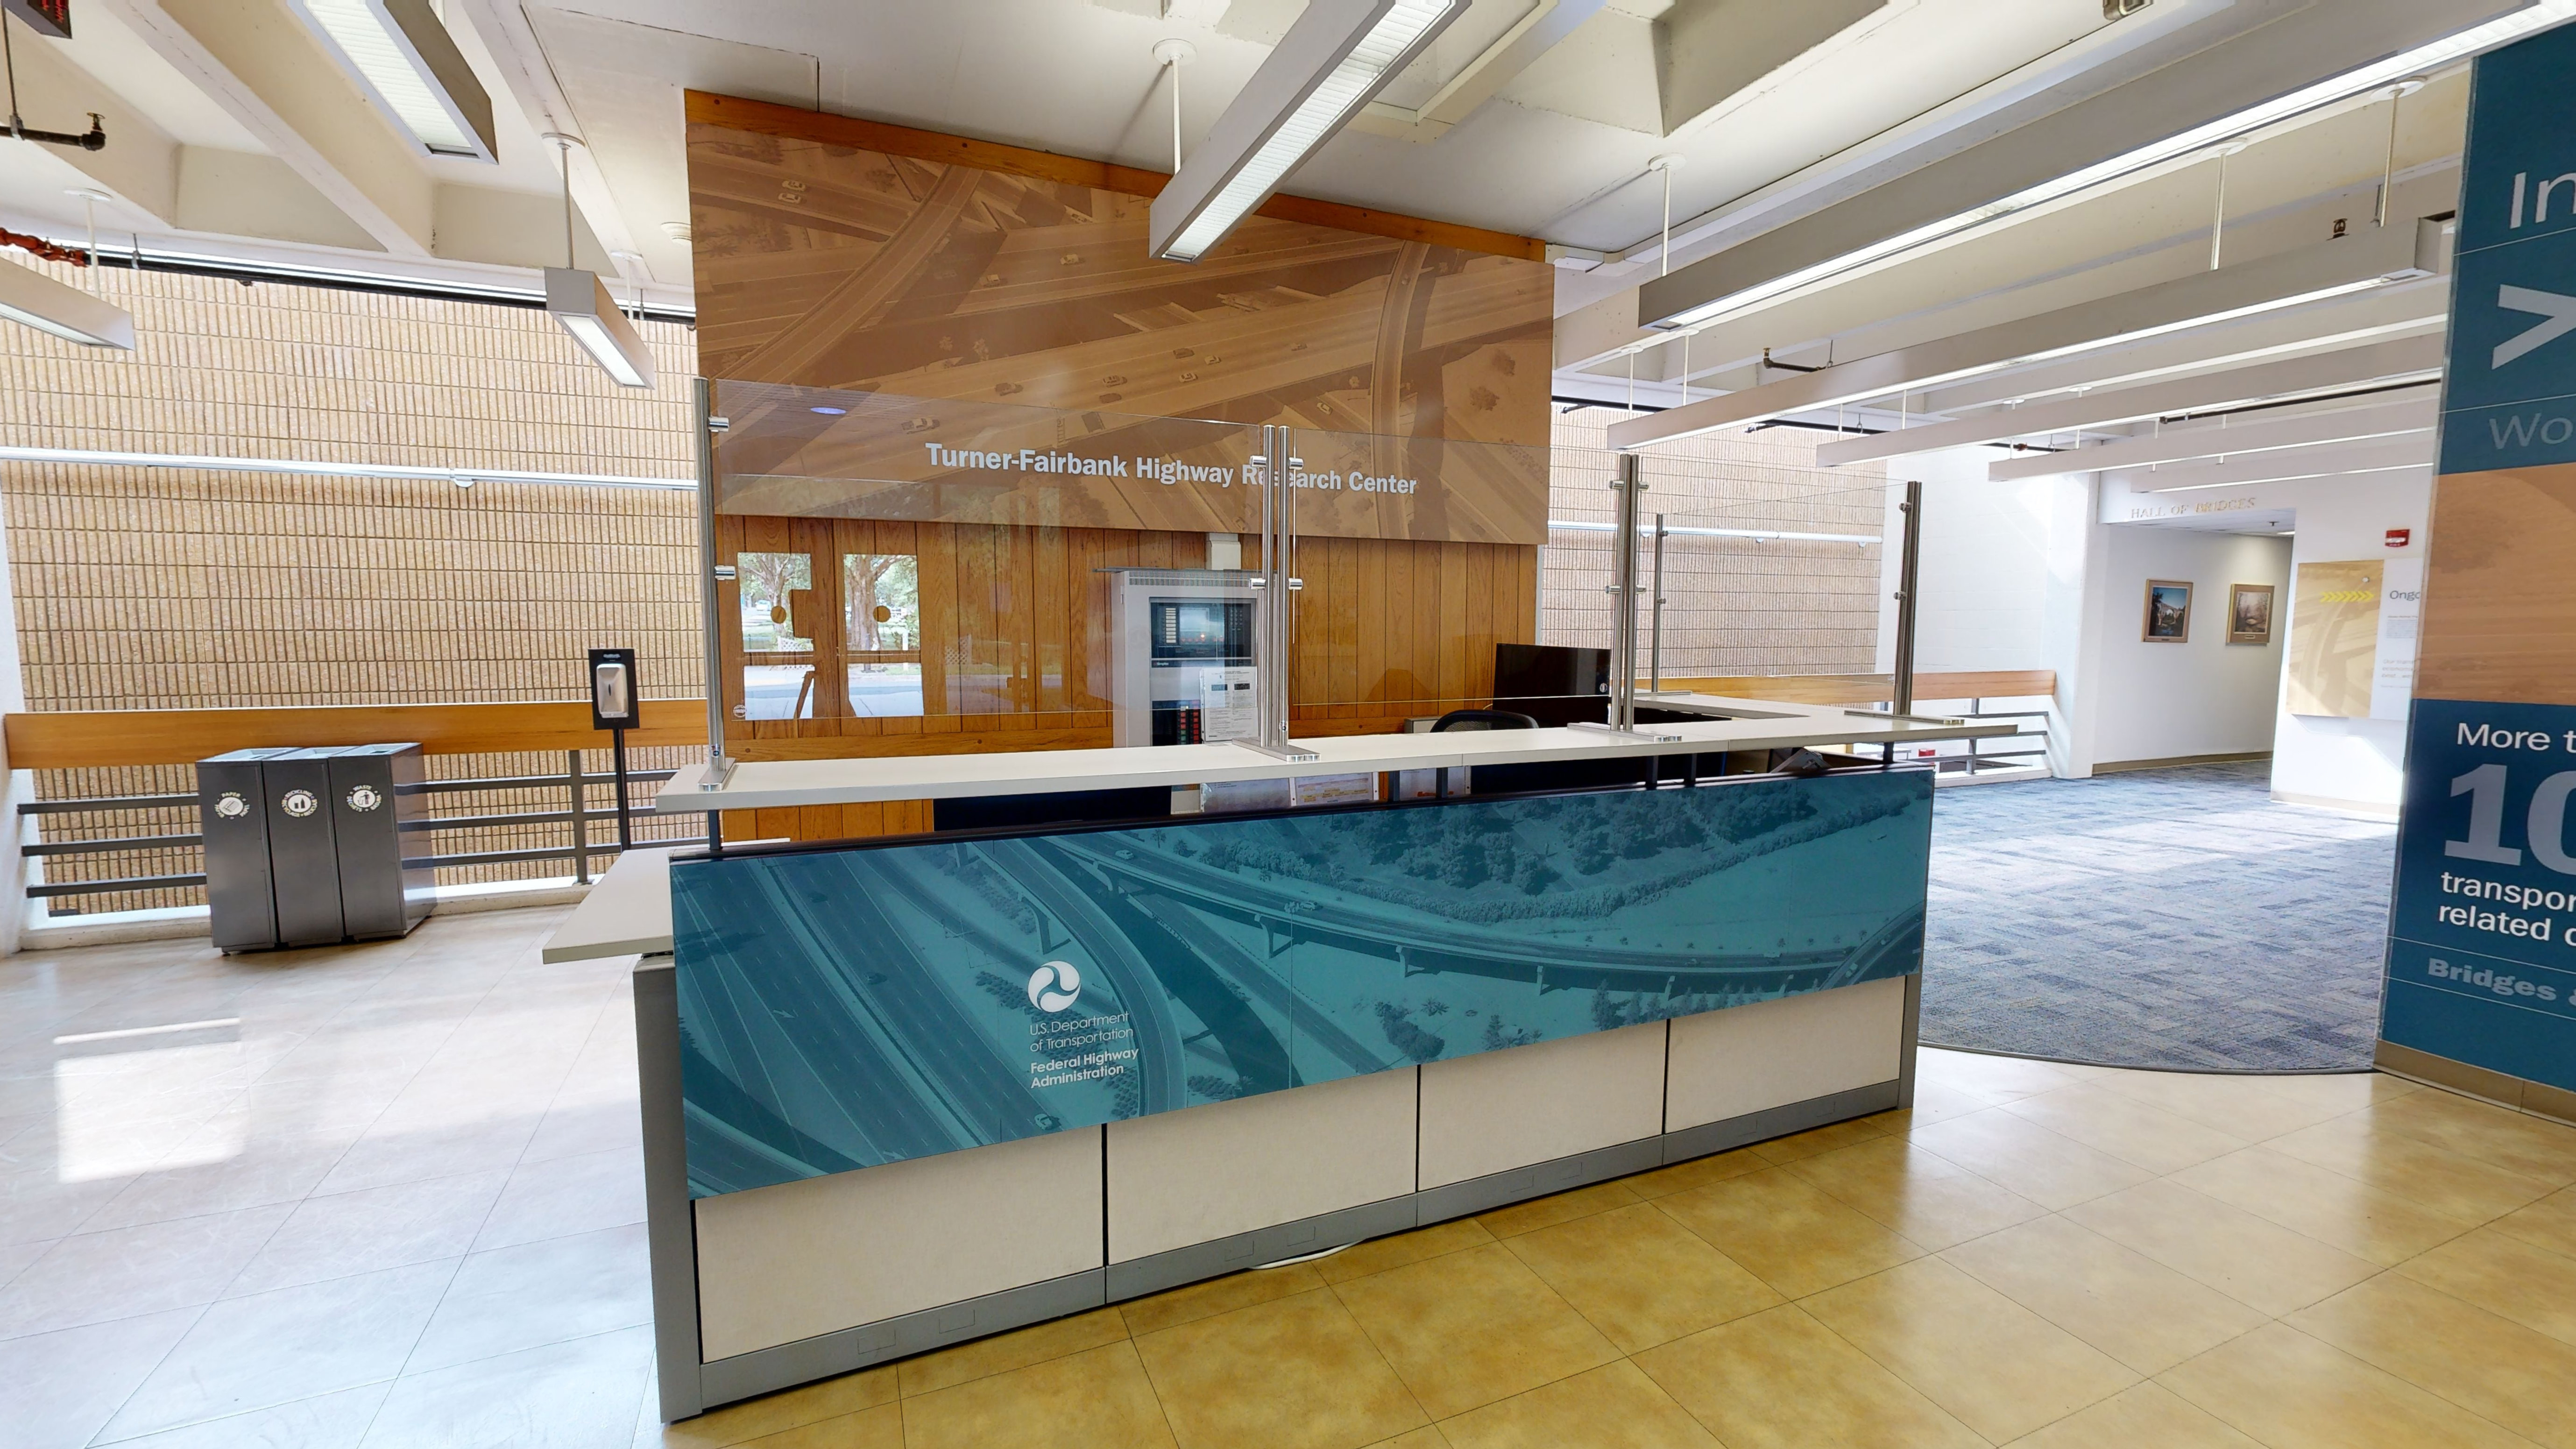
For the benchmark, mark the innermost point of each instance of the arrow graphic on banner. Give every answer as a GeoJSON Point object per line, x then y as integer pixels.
{"type": "Point", "coordinates": [2560, 310]}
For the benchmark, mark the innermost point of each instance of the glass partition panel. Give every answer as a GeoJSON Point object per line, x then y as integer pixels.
{"type": "Point", "coordinates": [1014, 577]}
{"type": "Point", "coordinates": [881, 624]}
{"type": "Point", "coordinates": [777, 593]}
{"type": "Point", "coordinates": [1772, 566]}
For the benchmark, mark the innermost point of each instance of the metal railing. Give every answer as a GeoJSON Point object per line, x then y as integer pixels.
{"type": "Point", "coordinates": [1980, 754]}
{"type": "Point", "coordinates": [579, 814]}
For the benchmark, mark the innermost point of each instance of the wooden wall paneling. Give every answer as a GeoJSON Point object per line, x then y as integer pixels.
{"type": "Point", "coordinates": [1452, 566]}
{"type": "Point", "coordinates": [1479, 620]}
{"type": "Point", "coordinates": [1425, 626]}
{"type": "Point", "coordinates": [1340, 641]}
{"type": "Point", "coordinates": [1049, 605]}
{"type": "Point", "coordinates": [1020, 629]}
{"type": "Point", "coordinates": [978, 681]}
{"type": "Point", "coordinates": [1372, 642]}
{"type": "Point", "coordinates": [1089, 596]}
{"type": "Point", "coordinates": [941, 660]}
{"type": "Point", "coordinates": [1524, 620]}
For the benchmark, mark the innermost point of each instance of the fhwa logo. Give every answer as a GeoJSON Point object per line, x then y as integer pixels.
{"type": "Point", "coordinates": [1055, 986]}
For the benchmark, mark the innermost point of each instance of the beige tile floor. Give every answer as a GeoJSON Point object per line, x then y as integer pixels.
{"type": "Point", "coordinates": [398, 1202]}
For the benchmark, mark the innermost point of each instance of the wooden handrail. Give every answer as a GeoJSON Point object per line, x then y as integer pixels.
{"type": "Point", "coordinates": [76, 739]}
{"type": "Point", "coordinates": [1860, 689]}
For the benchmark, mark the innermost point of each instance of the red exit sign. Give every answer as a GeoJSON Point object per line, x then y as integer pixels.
{"type": "Point", "coordinates": [2400, 537]}
{"type": "Point", "coordinates": [45, 17]}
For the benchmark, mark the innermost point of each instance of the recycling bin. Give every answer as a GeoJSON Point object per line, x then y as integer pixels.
{"type": "Point", "coordinates": [303, 855]}
{"type": "Point", "coordinates": [232, 806]}
{"type": "Point", "coordinates": [376, 803]}
{"type": "Point", "coordinates": [311, 847]}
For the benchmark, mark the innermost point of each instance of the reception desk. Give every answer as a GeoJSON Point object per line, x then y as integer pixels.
{"type": "Point", "coordinates": [899, 1093]}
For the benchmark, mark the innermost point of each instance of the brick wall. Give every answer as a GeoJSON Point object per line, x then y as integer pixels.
{"type": "Point", "coordinates": [143, 587]}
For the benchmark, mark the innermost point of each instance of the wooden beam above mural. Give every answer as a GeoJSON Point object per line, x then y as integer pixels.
{"type": "Point", "coordinates": [792, 123]}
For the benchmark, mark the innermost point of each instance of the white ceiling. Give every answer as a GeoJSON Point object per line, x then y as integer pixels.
{"type": "Point", "coordinates": [234, 133]}
{"type": "Point", "coordinates": [1746, 91]}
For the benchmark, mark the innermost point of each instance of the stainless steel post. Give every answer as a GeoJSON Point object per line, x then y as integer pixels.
{"type": "Point", "coordinates": [1907, 574]}
{"type": "Point", "coordinates": [1623, 586]}
{"type": "Point", "coordinates": [1278, 588]}
{"type": "Point", "coordinates": [1655, 648]}
{"type": "Point", "coordinates": [1630, 485]}
{"type": "Point", "coordinates": [580, 820]}
{"type": "Point", "coordinates": [719, 765]}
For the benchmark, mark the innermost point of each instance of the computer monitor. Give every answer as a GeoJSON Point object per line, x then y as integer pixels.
{"type": "Point", "coordinates": [1554, 684]}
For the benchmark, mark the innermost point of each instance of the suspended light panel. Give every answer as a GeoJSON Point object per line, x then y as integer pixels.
{"type": "Point", "coordinates": [1334, 59]}
{"type": "Point", "coordinates": [69, 313]}
{"type": "Point", "coordinates": [406, 62]}
{"type": "Point", "coordinates": [2431, 56]}
{"type": "Point", "coordinates": [581, 303]}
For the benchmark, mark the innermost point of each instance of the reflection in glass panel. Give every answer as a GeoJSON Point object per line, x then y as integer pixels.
{"type": "Point", "coordinates": [777, 634]}
{"type": "Point", "coordinates": [881, 633]}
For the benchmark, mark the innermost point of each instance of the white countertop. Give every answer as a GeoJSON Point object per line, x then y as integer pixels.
{"type": "Point", "coordinates": [1736, 724]}
{"type": "Point", "coordinates": [628, 911]}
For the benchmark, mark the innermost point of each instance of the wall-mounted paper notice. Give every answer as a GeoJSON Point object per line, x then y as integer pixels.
{"type": "Point", "coordinates": [1230, 708]}
{"type": "Point", "coordinates": [2401, 607]}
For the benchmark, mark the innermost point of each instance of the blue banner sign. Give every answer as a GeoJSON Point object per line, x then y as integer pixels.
{"type": "Point", "coordinates": [2482, 933]}
{"type": "Point", "coordinates": [2509, 395]}
{"type": "Point", "coordinates": [861, 1004]}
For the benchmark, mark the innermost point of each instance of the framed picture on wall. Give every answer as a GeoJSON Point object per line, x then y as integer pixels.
{"type": "Point", "coordinates": [2249, 614]}
{"type": "Point", "coordinates": [2168, 612]}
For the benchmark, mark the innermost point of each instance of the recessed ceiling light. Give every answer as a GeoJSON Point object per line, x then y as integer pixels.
{"type": "Point", "coordinates": [830, 412]}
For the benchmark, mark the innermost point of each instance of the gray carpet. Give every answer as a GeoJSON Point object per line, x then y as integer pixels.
{"type": "Point", "coordinates": [2167, 918]}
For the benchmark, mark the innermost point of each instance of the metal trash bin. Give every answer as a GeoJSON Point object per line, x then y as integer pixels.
{"type": "Point", "coordinates": [232, 809]}
{"type": "Point", "coordinates": [386, 886]}
{"type": "Point", "coordinates": [309, 847]}
{"type": "Point", "coordinates": [303, 855]}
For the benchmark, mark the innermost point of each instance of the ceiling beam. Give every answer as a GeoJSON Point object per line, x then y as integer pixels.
{"type": "Point", "coordinates": [2411, 358]}
{"type": "Point", "coordinates": [1538, 32]}
{"type": "Point", "coordinates": [2309, 46]}
{"type": "Point", "coordinates": [260, 64]}
{"type": "Point", "coordinates": [2415, 412]}
{"type": "Point", "coordinates": [2284, 279]}
{"type": "Point", "coordinates": [140, 168]}
{"type": "Point", "coordinates": [529, 81]}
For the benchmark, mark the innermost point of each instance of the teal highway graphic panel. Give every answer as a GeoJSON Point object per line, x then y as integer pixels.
{"type": "Point", "coordinates": [847, 1006]}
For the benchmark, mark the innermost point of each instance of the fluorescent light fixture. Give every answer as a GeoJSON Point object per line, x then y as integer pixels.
{"type": "Point", "coordinates": [581, 303]}
{"type": "Point", "coordinates": [406, 62]}
{"type": "Point", "coordinates": [2315, 273]}
{"type": "Point", "coordinates": [1337, 55]}
{"type": "Point", "coordinates": [2288, 477]}
{"type": "Point", "coordinates": [66, 312]}
{"type": "Point", "coordinates": [2360, 81]}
